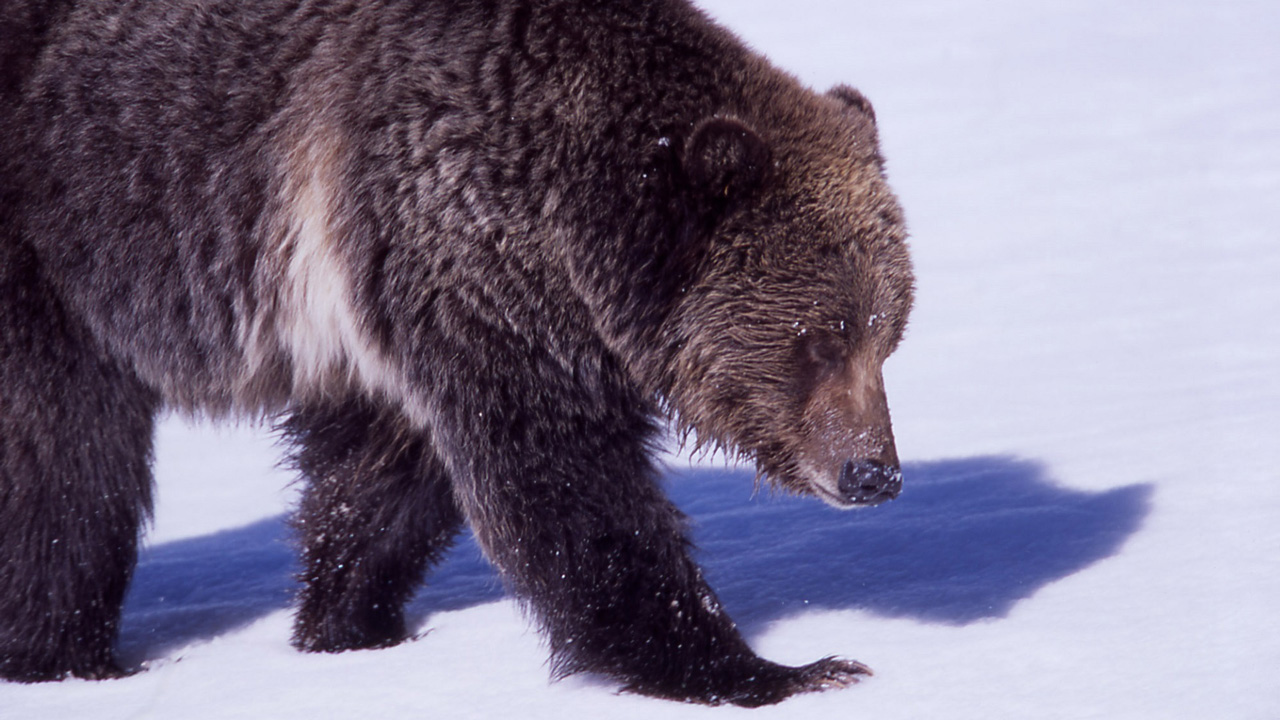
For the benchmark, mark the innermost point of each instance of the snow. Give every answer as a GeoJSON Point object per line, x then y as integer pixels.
{"type": "Point", "coordinates": [1088, 404]}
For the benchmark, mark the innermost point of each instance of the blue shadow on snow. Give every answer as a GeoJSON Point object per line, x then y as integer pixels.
{"type": "Point", "coordinates": [966, 541]}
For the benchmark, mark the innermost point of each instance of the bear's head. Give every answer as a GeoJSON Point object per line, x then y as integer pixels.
{"type": "Point", "coordinates": [802, 291]}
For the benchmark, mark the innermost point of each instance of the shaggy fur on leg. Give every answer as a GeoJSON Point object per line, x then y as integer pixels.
{"type": "Point", "coordinates": [75, 484]}
{"type": "Point", "coordinates": [376, 512]}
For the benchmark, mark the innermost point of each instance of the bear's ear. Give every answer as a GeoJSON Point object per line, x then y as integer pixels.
{"type": "Point", "coordinates": [725, 159]}
{"type": "Point", "coordinates": [853, 100]}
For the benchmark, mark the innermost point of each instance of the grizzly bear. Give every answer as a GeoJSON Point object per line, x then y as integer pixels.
{"type": "Point", "coordinates": [471, 256]}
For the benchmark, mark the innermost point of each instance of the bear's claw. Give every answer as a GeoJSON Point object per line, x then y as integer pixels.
{"type": "Point", "coordinates": [780, 682]}
{"type": "Point", "coordinates": [765, 684]}
{"type": "Point", "coordinates": [831, 673]}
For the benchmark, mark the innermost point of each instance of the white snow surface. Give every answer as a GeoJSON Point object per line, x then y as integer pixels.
{"type": "Point", "coordinates": [1087, 404]}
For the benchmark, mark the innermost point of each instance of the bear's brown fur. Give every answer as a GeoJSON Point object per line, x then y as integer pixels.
{"type": "Point", "coordinates": [469, 253]}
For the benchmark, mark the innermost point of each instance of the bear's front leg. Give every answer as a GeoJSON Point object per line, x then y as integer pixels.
{"type": "Point", "coordinates": [552, 469]}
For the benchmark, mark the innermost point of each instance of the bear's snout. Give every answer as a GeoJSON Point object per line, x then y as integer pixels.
{"type": "Point", "coordinates": [848, 457]}
{"type": "Point", "coordinates": [869, 482]}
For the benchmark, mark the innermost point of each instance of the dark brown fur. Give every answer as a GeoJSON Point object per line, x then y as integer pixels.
{"type": "Point", "coordinates": [470, 253]}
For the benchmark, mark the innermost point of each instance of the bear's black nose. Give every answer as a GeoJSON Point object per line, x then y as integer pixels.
{"type": "Point", "coordinates": [868, 482]}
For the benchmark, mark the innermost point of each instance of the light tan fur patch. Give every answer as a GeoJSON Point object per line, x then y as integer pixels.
{"type": "Point", "coordinates": [315, 322]}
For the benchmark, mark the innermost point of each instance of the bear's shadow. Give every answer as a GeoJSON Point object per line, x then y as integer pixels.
{"type": "Point", "coordinates": [966, 541]}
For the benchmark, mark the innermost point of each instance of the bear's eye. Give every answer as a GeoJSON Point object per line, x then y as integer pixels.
{"type": "Point", "coordinates": [819, 357]}
{"type": "Point", "coordinates": [827, 354]}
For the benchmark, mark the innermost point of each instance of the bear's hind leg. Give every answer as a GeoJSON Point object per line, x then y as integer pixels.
{"type": "Point", "coordinates": [75, 484]}
{"type": "Point", "coordinates": [376, 512]}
